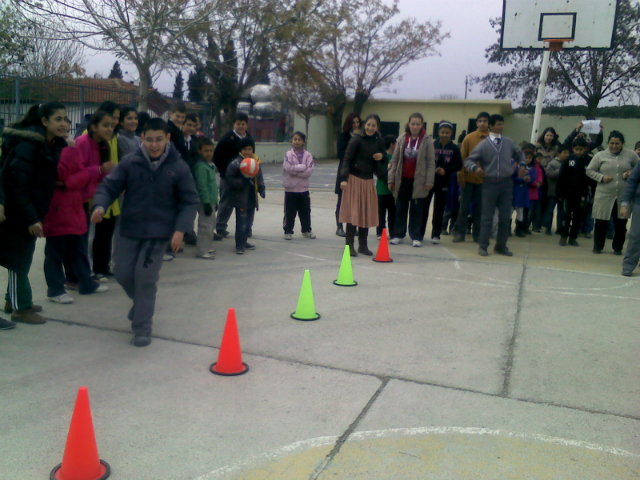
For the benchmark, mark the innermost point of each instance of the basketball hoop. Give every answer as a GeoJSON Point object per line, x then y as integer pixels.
{"type": "Point", "coordinates": [555, 45]}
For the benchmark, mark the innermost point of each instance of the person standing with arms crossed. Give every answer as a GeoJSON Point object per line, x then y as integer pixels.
{"type": "Point", "coordinates": [470, 182]}
{"type": "Point", "coordinates": [494, 160]}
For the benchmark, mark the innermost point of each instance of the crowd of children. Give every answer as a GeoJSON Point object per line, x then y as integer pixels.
{"type": "Point", "coordinates": [145, 181]}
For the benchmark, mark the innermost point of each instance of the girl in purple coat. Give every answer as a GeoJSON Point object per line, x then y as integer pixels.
{"type": "Point", "coordinates": [297, 168]}
{"type": "Point", "coordinates": [523, 178]}
{"type": "Point", "coordinates": [64, 227]}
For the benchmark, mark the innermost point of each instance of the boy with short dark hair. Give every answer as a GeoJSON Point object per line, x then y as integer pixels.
{"type": "Point", "coordinates": [204, 172]}
{"type": "Point", "coordinates": [572, 191]}
{"type": "Point", "coordinates": [226, 151]}
{"type": "Point", "coordinates": [637, 148]}
{"type": "Point", "coordinates": [386, 202]}
{"type": "Point", "coordinates": [160, 206]}
{"type": "Point", "coordinates": [241, 195]}
{"type": "Point", "coordinates": [177, 115]}
{"type": "Point", "coordinates": [189, 129]}
{"type": "Point", "coordinates": [552, 171]}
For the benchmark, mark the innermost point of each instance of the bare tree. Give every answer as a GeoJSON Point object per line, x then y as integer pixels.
{"type": "Point", "coordinates": [138, 31]}
{"type": "Point", "coordinates": [300, 92]}
{"type": "Point", "coordinates": [358, 48]}
{"type": "Point", "coordinates": [241, 44]}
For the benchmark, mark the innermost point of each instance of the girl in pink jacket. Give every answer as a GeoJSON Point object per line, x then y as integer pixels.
{"type": "Point", "coordinates": [298, 167]}
{"type": "Point", "coordinates": [64, 226]}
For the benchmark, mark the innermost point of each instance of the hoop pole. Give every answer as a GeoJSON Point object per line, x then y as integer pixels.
{"type": "Point", "coordinates": [544, 74]}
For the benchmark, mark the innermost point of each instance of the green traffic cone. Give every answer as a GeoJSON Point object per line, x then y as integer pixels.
{"type": "Point", "coordinates": [345, 275]}
{"type": "Point", "coordinates": [306, 310]}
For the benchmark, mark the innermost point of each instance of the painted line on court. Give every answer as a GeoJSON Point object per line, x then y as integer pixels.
{"type": "Point", "coordinates": [419, 431]}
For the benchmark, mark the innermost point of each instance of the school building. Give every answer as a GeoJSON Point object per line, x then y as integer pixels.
{"type": "Point", "coordinates": [461, 113]}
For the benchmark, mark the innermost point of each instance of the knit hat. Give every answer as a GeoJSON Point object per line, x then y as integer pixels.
{"type": "Point", "coordinates": [247, 142]}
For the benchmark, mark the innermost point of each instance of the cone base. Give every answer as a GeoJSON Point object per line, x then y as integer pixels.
{"type": "Point", "coordinates": [105, 471]}
{"type": "Point", "coordinates": [383, 261]}
{"type": "Point", "coordinates": [293, 315]}
{"type": "Point", "coordinates": [234, 374]}
{"type": "Point", "coordinates": [335, 282]}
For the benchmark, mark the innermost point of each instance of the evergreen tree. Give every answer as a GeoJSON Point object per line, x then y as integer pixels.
{"type": "Point", "coordinates": [116, 72]}
{"type": "Point", "coordinates": [199, 87]}
{"type": "Point", "coordinates": [178, 87]}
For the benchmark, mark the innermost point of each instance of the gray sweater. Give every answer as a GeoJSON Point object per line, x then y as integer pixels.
{"type": "Point", "coordinates": [496, 160]}
{"type": "Point", "coordinates": [127, 143]}
{"type": "Point", "coordinates": [553, 172]}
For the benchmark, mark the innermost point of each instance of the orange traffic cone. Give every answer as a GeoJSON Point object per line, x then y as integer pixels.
{"type": "Point", "coordinates": [383, 249]}
{"type": "Point", "coordinates": [81, 460]}
{"type": "Point", "coordinates": [230, 357]}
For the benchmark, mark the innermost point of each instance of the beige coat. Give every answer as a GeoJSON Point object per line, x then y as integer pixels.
{"type": "Point", "coordinates": [425, 167]}
{"type": "Point", "coordinates": [606, 163]}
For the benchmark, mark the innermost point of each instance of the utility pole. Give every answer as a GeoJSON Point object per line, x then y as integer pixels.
{"type": "Point", "coordinates": [466, 86]}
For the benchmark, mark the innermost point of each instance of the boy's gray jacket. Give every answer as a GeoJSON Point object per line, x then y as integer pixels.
{"type": "Point", "coordinates": [494, 159]}
{"type": "Point", "coordinates": [157, 202]}
{"type": "Point", "coordinates": [631, 195]}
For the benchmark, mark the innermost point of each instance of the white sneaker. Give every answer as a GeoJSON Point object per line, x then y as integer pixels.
{"type": "Point", "coordinates": [396, 241]}
{"type": "Point", "coordinates": [378, 237]}
{"type": "Point", "coordinates": [207, 256]}
{"type": "Point", "coordinates": [417, 243]}
{"type": "Point", "coordinates": [288, 236]}
{"type": "Point", "coordinates": [101, 289]}
{"type": "Point", "coordinates": [310, 235]}
{"type": "Point", "coordinates": [64, 299]}
{"type": "Point", "coordinates": [167, 258]}
{"type": "Point", "coordinates": [435, 240]}
{"type": "Point", "coordinates": [101, 278]}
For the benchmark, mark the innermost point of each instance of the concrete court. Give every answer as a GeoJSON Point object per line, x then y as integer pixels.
{"type": "Point", "coordinates": [440, 365]}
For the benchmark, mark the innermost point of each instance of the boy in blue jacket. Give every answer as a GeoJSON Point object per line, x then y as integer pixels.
{"type": "Point", "coordinates": [160, 205]}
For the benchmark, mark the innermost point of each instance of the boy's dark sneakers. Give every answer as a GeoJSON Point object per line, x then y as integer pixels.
{"type": "Point", "coordinates": [563, 241]}
{"type": "Point", "coordinates": [503, 251]}
{"type": "Point", "coordinates": [223, 233]}
{"type": "Point", "coordinates": [587, 235]}
{"type": "Point", "coordinates": [250, 246]}
{"type": "Point", "coordinates": [240, 251]}
{"type": "Point", "coordinates": [9, 309]}
{"type": "Point", "coordinates": [250, 234]}
{"type": "Point", "coordinates": [573, 242]}
{"type": "Point", "coordinates": [457, 238]}
{"type": "Point", "coordinates": [141, 340]}
{"type": "Point", "coordinates": [617, 252]}
{"type": "Point", "coordinates": [8, 325]}
{"type": "Point", "coordinates": [597, 251]}
{"type": "Point", "coordinates": [483, 252]}
{"type": "Point", "coordinates": [627, 274]}
{"type": "Point", "coordinates": [216, 237]}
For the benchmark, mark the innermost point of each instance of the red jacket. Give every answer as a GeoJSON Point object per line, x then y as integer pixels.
{"type": "Point", "coordinates": [89, 152]}
{"type": "Point", "coordinates": [66, 214]}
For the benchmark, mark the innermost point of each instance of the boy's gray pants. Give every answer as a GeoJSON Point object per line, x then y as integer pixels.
{"type": "Point", "coordinates": [632, 255]}
{"type": "Point", "coordinates": [137, 270]}
{"type": "Point", "coordinates": [496, 194]}
{"type": "Point", "coordinates": [205, 231]}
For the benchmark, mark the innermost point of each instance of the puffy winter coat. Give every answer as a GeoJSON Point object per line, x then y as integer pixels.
{"type": "Point", "coordinates": [425, 167]}
{"type": "Point", "coordinates": [28, 176]}
{"type": "Point", "coordinates": [296, 173]}
{"type": "Point", "coordinates": [66, 214]}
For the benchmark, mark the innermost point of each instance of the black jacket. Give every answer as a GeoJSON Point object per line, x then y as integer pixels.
{"type": "Point", "coordinates": [28, 176]}
{"type": "Point", "coordinates": [226, 151]}
{"type": "Point", "coordinates": [358, 159]}
{"type": "Point", "coordinates": [573, 182]}
{"type": "Point", "coordinates": [449, 158]}
{"type": "Point", "coordinates": [241, 190]}
{"type": "Point", "coordinates": [157, 202]}
{"type": "Point", "coordinates": [177, 138]}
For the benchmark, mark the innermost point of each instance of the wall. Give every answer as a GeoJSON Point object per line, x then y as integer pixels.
{"type": "Point", "coordinates": [320, 138]}
{"type": "Point", "coordinates": [272, 152]}
{"type": "Point", "coordinates": [518, 127]}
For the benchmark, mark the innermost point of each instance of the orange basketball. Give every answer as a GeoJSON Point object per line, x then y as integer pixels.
{"type": "Point", "coordinates": [249, 167]}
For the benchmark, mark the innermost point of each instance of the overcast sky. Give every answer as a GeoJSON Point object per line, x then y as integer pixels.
{"type": "Point", "coordinates": [467, 21]}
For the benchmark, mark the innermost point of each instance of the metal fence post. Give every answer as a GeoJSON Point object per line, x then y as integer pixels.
{"type": "Point", "coordinates": [81, 103]}
{"type": "Point", "coordinates": [17, 98]}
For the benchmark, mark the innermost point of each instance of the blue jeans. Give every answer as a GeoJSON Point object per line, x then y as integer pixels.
{"type": "Point", "coordinates": [242, 228]}
{"type": "Point", "coordinates": [547, 221]}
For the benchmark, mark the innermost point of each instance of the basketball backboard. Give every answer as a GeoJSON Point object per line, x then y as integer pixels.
{"type": "Point", "coordinates": [528, 23]}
